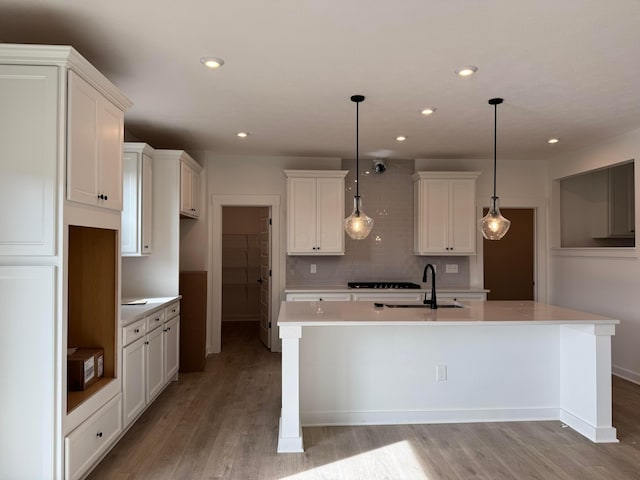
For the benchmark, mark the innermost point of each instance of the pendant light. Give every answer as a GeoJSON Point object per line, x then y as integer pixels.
{"type": "Point", "coordinates": [494, 226]}
{"type": "Point", "coordinates": [358, 225]}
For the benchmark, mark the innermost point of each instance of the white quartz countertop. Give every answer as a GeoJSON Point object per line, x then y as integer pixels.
{"type": "Point", "coordinates": [344, 289]}
{"type": "Point", "coordinates": [131, 313]}
{"type": "Point", "coordinates": [475, 313]}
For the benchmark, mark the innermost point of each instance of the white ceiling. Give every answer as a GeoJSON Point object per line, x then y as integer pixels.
{"type": "Point", "coordinates": [566, 68]}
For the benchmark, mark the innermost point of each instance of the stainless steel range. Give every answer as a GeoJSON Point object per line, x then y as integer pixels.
{"type": "Point", "coordinates": [399, 285]}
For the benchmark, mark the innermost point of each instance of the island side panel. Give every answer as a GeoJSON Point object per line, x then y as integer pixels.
{"type": "Point", "coordinates": [387, 374]}
{"type": "Point", "coordinates": [586, 381]}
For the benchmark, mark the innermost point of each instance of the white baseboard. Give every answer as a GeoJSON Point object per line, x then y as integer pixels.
{"type": "Point", "coordinates": [310, 419]}
{"type": "Point", "coordinates": [595, 434]}
{"type": "Point", "coordinates": [626, 374]}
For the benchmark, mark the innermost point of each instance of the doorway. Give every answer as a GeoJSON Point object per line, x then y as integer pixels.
{"type": "Point", "coordinates": [509, 264]}
{"type": "Point", "coordinates": [246, 267]}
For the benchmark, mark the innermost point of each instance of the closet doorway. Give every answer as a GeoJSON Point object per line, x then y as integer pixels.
{"type": "Point", "coordinates": [246, 268]}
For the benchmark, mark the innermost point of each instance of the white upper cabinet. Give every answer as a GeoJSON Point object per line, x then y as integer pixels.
{"type": "Point", "coordinates": [137, 208]}
{"type": "Point", "coordinates": [190, 204]}
{"type": "Point", "coordinates": [444, 213]}
{"type": "Point", "coordinates": [94, 141]}
{"type": "Point", "coordinates": [315, 212]}
{"type": "Point", "coordinates": [28, 154]}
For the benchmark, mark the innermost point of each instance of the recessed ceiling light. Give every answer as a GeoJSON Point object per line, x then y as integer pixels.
{"type": "Point", "coordinates": [242, 134]}
{"type": "Point", "coordinates": [427, 111]}
{"type": "Point", "coordinates": [467, 70]}
{"type": "Point", "coordinates": [212, 62]}
{"type": "Point", "coordinates": [553, 140]}
{"type": "Point", "coordinates": [401, 138]}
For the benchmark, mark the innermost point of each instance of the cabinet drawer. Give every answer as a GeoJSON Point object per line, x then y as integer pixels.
{"type": "Point", "coordinates": [388, 297]}
{"type": "Point", "coordinates": [172, 310]}
{"type": "Point", "coordinates": [85, 445]}
{"type": "Point", "coordinates": [134, 331]}
{"type": "Point", "coordinates": [155, 320]}
{"type": "Point", "coordinates": [318, 297]}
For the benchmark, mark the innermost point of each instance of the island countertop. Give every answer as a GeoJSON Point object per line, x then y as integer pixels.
{"type": "Point", "coordinates": [352, 363]}
{"type": "Point", "coordinates": [473, 313]}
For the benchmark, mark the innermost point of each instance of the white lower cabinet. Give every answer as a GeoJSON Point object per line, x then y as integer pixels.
{"type": "Point", "coordinates": [154, 355]}
{"type": "Point", "coordinates": [87, 443]}
{"type": "Point", "coordinates": [318, 297]}
{"type": "Point", "coordinates": [388, 297]}
{"type": "Point", "coordinates": [462, 296]}
{"type": "Point", "coordinates": [150, 358]}
{"type": "Point", "coordinates": [134, 375]}
{"type": "Point", "coordinates": [171, 348]}
{"type": "Point", "coordinates": [385, 296]}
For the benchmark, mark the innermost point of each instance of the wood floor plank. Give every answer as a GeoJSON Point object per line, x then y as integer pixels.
{"type": "Point", "coordinates": [223, 424]}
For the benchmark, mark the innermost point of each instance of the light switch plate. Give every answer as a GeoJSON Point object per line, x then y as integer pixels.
{"type": "Point", "coordinates": [451, 268]}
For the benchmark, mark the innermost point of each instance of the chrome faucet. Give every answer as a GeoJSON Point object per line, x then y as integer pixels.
{"type": "Point", "coordinates": [431, 302]}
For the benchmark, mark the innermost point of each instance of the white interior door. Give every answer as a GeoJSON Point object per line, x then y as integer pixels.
{"type": "Point", "coordinates": [265, 279]}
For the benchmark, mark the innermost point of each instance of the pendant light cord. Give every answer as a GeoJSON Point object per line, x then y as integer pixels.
{"type": "Point", "coordinates": [357, 149]}
{"type": "Point", "coordinates": [495, 145]}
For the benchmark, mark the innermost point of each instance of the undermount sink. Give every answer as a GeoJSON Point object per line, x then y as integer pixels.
{"type": "Point", "coordinates": [416, 305]}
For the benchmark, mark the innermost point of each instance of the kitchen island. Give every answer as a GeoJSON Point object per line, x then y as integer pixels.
{"type": "Point", "coordinates": [352, 363]}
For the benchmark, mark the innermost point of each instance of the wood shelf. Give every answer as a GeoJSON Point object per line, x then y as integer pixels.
{"type": "Point", "coordinates": [76, 398]}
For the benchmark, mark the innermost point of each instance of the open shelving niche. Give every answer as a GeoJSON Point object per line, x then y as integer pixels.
{"type": "Point", "coordinates": [92, 300]}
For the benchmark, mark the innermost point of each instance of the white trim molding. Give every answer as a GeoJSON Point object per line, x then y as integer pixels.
{"type": "Point", "coordinates": [214, 279]}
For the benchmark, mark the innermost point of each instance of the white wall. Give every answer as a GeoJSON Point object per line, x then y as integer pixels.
{"type": "Point", "coordinates": [601, 284]}
{"type": "Point", "coordinates": [246, 176]}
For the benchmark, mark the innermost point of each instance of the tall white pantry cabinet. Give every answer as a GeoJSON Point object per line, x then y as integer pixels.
{"type": "Point", "coordinates": [61, 135]}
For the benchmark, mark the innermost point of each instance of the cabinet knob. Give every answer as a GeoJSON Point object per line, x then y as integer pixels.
{"type": "Point", "coordinates": [106, 197]}
{"type": "Point", "coordinates": [99, 434]}
{"type": "Point", "coordinates": [146, 343]}
{"type": "Point", "coordinates": [137, 330]}
{"type": "Point", "coordinates": [146, 246]}
{"type": "Point", "coordinates": [101, 197]}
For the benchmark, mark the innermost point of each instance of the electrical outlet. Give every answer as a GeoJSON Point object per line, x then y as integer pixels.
{"type": "Point", "coordinates": [451, 268]}
{"type": "Point", "coordinates": [441, 373]}
{"type": "Point", "coordinates": [313, 268]}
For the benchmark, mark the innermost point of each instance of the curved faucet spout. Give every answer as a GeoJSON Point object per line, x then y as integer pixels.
{"type": "Point", "coordinates": [433, 301]}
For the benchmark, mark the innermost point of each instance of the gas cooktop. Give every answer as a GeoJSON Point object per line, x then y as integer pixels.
{"type": "Point", "coordinates": [382, 285]}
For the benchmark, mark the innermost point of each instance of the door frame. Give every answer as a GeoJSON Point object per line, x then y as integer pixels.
{"type": "Point", "coordinates": [214, 340]}
{"type": "Point", "coordinates": [540, 208]}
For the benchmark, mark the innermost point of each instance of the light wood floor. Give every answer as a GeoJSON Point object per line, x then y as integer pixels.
{"type": "Point", "coordinates": [223, 424]}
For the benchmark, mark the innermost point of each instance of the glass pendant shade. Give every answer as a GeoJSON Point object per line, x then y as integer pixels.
{"type": "Point", "coordinates": [493, 225]}
{"type": "Point", "coordinates": [358, 225]}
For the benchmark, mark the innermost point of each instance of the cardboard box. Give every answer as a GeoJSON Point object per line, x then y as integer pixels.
{"type": "Point", "coordinates": [84, 367]}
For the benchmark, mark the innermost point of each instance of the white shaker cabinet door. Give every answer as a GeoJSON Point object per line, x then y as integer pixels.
{"type": "Point", "coordinates": [28, 159]}
{"type": "Point", "coordinates": [134, 378]}
{"type": "Point", "coordinates": [155, 363]}
{"type": "Point", "coordinates": [301, 215]}
{"type": "Point", "coordinates": [171, 348]}
{"type": "Point", "coordinates": [95, 134]}
{"type": "Point", "coordinates": [330, 215]}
